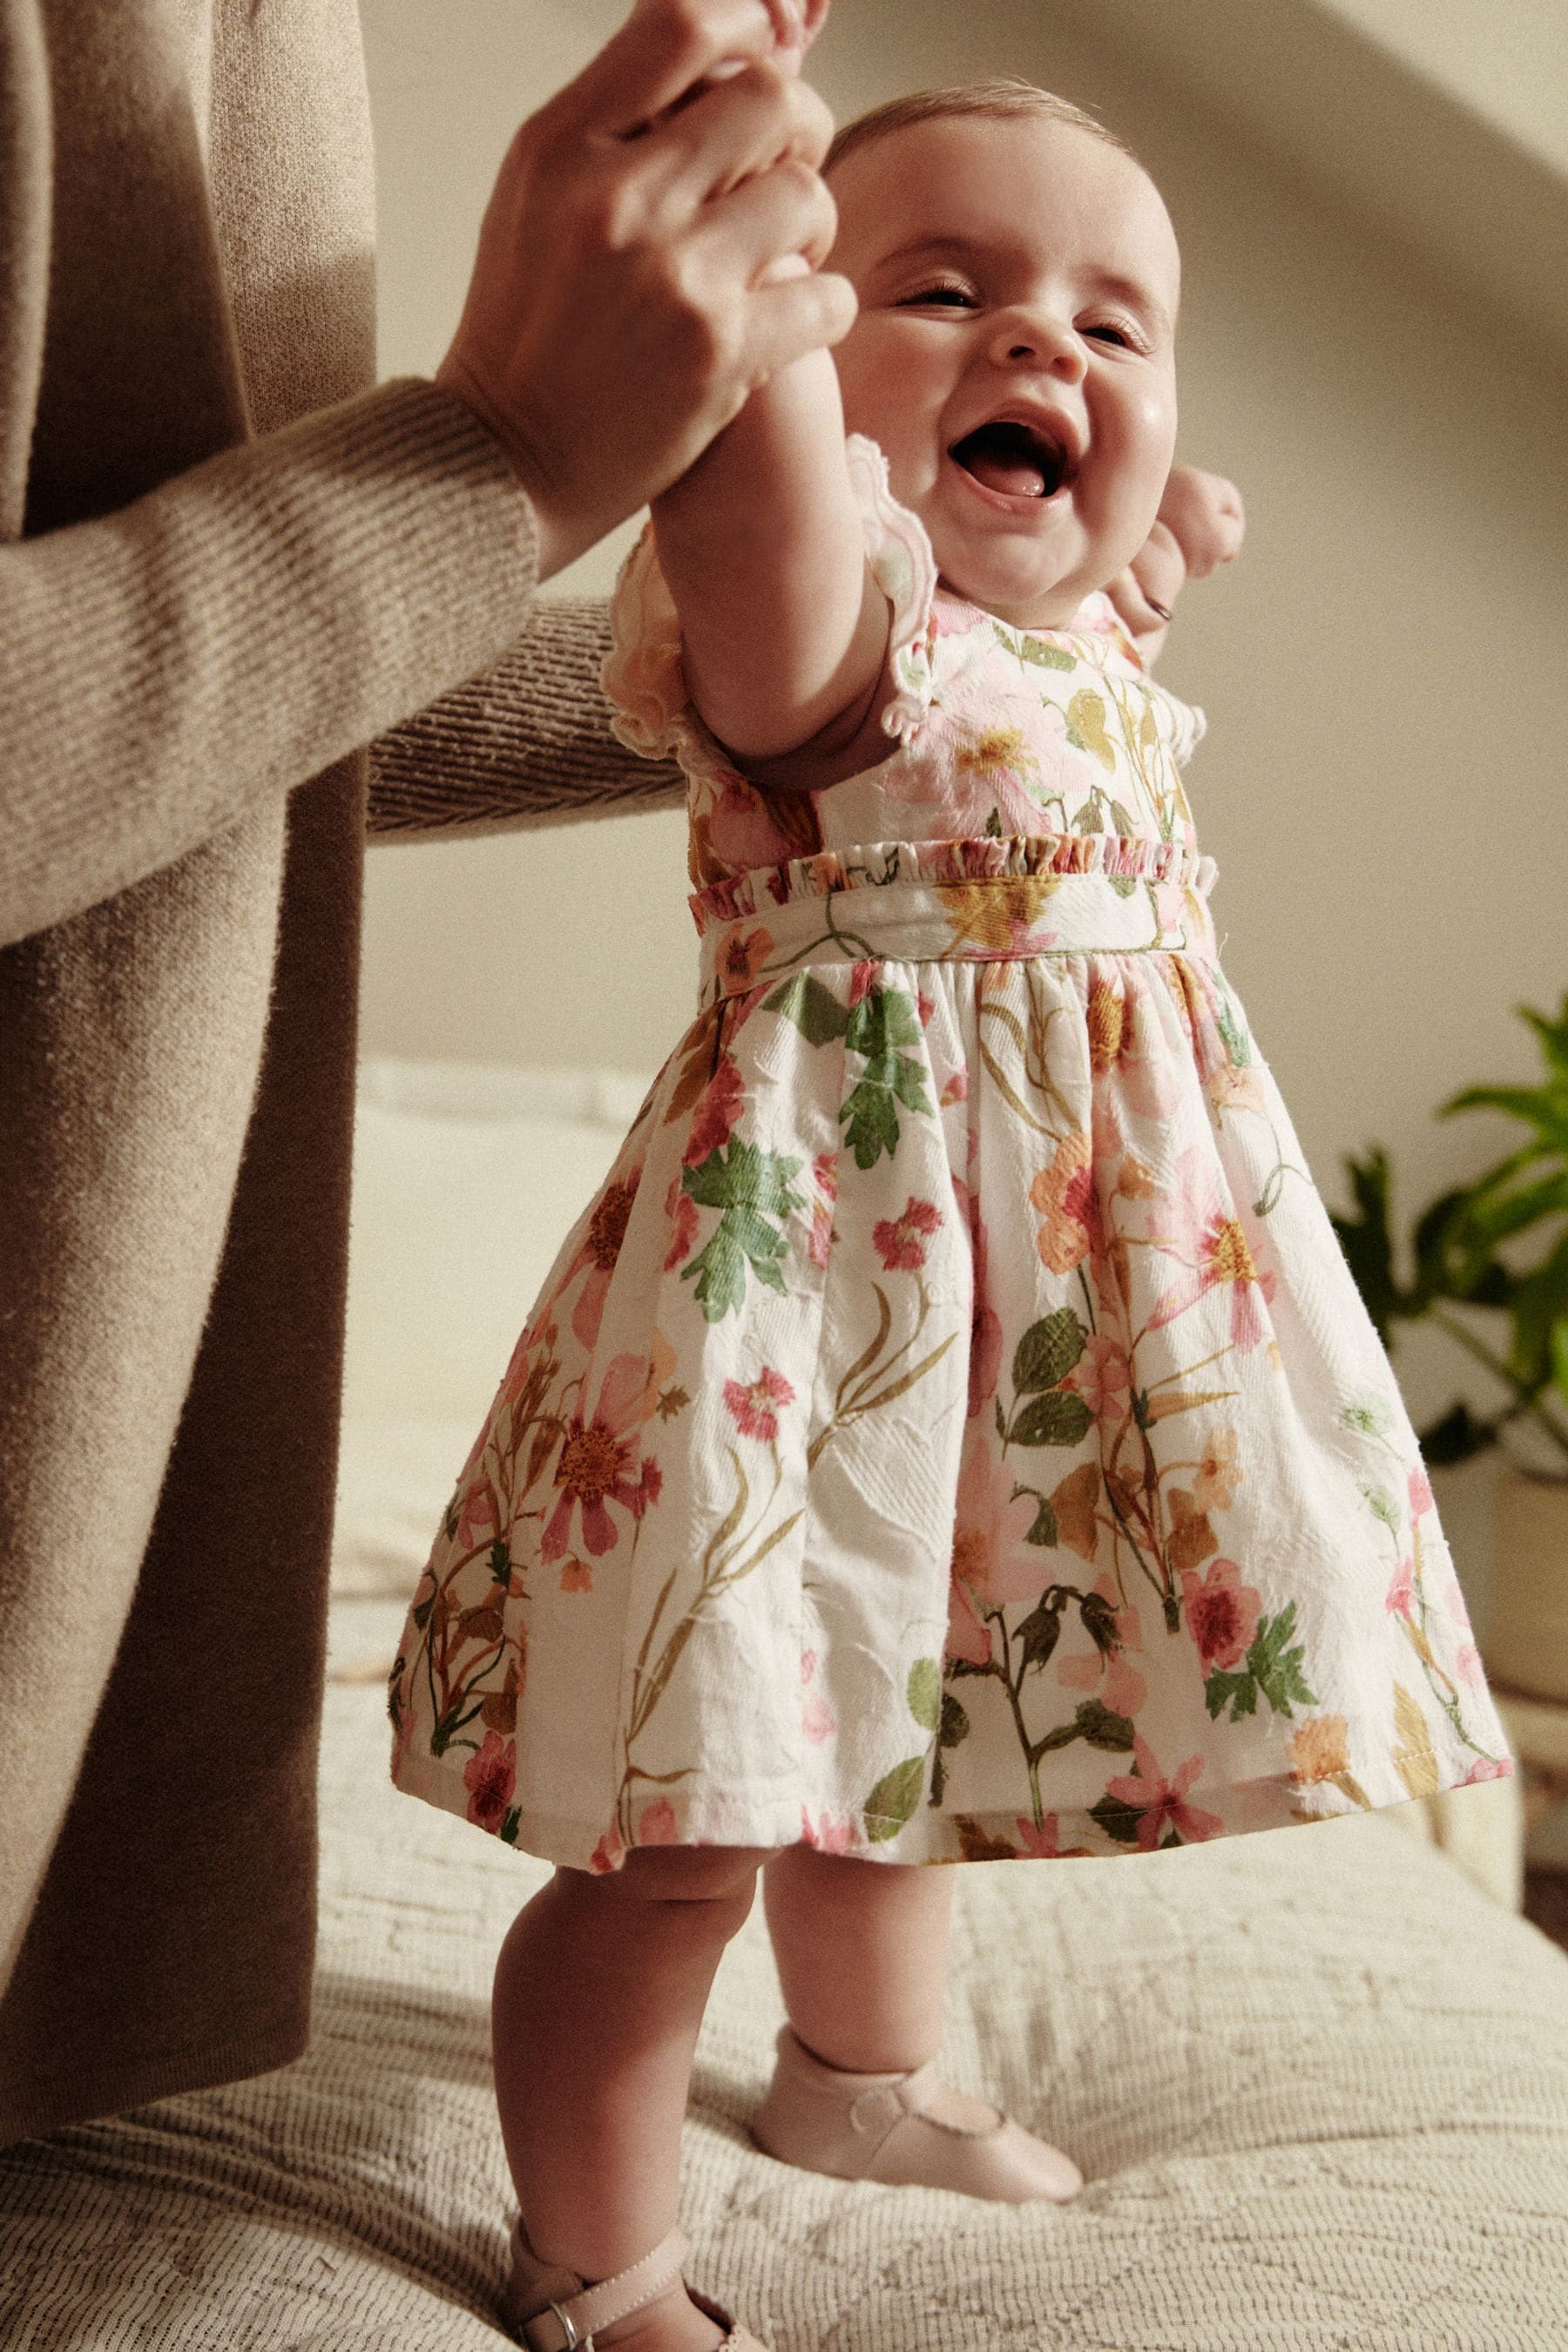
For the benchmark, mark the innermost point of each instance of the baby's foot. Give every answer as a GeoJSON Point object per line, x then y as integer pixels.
{"type": "Point", "coordinates": [672, 2323]}
{"type": "Point", "coordinates": [906, 2130]}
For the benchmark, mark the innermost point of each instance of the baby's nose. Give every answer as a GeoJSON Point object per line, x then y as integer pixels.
{"type": "Point", "coordinates": [1035, 335]}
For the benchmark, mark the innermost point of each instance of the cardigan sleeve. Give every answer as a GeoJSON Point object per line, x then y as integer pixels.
{"type": "Point", "coordinates": [238, 629]}
{"type": "Point", "coordinates": [528, 743]}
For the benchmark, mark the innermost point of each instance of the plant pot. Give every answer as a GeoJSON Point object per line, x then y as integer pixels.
{"type": "Point", "coordinates": [1527, 1616]}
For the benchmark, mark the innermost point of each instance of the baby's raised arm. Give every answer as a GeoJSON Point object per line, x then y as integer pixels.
{"type": "Point", "coordinates": [785, 630]}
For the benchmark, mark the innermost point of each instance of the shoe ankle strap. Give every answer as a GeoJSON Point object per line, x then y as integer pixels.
{"type": "Point", "coordinates": [889, 2102]}
{"type": "Point", "coordinates": [565, 2327]}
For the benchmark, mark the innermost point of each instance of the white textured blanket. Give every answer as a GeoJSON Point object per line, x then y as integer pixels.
{"type": "Point", "coordinates": [1317, 2081]}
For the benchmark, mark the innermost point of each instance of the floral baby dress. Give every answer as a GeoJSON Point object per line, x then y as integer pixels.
{"type": "Point", "coordinates": [952, 1430]}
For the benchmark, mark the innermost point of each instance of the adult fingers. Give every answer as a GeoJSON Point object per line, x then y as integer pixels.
{"type": "Point", "coordinates": [735, 129]}
{"type": "Point", "coordinates": [663, 51]}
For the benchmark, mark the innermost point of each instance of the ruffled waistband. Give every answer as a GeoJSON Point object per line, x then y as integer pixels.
{"type": "Point", "coordinates": [979, 900]}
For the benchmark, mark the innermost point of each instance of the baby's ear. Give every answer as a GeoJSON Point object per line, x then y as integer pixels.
{"type": "Point", "coordinates": [1204, 516]}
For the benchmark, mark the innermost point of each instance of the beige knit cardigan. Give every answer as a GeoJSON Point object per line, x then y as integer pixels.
{"type": "Point", "coordinates": [226, 563]}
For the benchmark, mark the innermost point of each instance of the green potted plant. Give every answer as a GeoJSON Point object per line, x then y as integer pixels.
{"type": "Point", "coordinates": [1489, 1267]}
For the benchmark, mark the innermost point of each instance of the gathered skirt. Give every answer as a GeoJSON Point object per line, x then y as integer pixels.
{"type": "Point", "coordinates": [952, 1430]}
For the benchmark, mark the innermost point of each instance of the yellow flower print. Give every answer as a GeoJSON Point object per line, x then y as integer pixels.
{"type": "Point", "coordinates": [1220, 1472]}
{"type": "Point", "coordinates": [1320, 1751]}
{"type": "Point", "coordinates": [1000, 751]}
{"type": "Point", "coordinates": [995, 914]}
{"type": "Point", "coordinates": [1086, 717]}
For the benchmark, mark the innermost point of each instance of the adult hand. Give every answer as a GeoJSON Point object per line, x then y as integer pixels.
{"type": "Point", "coordinates": [648, 257]}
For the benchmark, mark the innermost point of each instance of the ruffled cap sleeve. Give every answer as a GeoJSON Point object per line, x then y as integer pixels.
{"type": "Point", "coordinates": [904, 569]}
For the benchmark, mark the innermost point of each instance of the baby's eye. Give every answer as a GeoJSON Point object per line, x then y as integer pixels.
{"type": "Point", "coordinates": [946, 297]}
{"type": "Point", "coordinates": [1114, 332]}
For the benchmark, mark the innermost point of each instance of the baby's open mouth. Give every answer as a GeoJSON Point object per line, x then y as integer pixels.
{"type": "Point", "coordinates": [1014, 459]}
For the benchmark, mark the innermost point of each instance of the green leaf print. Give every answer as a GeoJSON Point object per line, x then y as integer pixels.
{"type": "Point", "coordinates": [815, 1009]}
{"type": "Point", "coordinates": [1382, 1505]}
{"type": "Point", "coordinates": [509, 1827]}
{"type": "Point", "coordinates": [1103, 1727]}
{"type": "Point", "coordinates": [883, 1022]}
{"type": "Point", "coordinates": [1048, 1352]}
{"type": "Point", "coordinates": [1037, 652]}
{"type": "Point", "coordinates": [1270, 1667]}
{"type": "Point", "coordinates": [1097, 1724]}
{"type": "Point", "coordinates": [500, 1563]}
{"type": "Point", "coordinates": [894, 1799]}
{"type": "Point", "coordinates": [1231, 1027]}
{"type": "Point", "coordinates": [1060, 1417]}
{"type": "Point", "coordinates": [1043, 1529]}
{"type": "Point", "coordinates": [1118, 1821]}
{"type": "Point", "coordinates": [750, 1188]}
{"type": "Point", "coordinates": [1040, 1631]}
{"type": "Point", "coordinates": [924, 1692]}
{"type": "Point", "coordinates": [954, 1726]}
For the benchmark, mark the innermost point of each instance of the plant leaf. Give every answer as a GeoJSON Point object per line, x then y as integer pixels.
{"type": "Point", "coordinates": [1048, 1352]}
{"type": "Point", "coordinates": [894, 1799]}
{"type": "Point", "coordinates": [923, 1693]}
{"type": "Point", "coordinates": [1060, 1417]}
{"type": "Point", "coordinates": [1413, 1758]}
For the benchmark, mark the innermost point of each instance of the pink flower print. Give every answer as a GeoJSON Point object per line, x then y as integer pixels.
{"type": "Point", "coordinates": [900, 1241]}
{"type": "Point", "coordinates": [595, 1462]}
{"type": "Point", "coordinates": [607, 1855]}
{"type": "Point", "coordinates": [925, 1007]}
{"type": "Point", "coordinates": [1488, 1767]}
{"type": "Point", "coordinates": [1064, 1193]}
{"type": "Point", "coordinates": [477, 1519]}
{"type": "Point", "coordinates": [862, 980]}
{"type": "Point", "coordinates": [824, 1174]}
{"type": "Point", "coordinates": [956, 1089]}
{"type": "Point", "coordinates": [682, 1210]}
{"type": "Point", "coordinates": [829, 1833]}
{"type": "Point", "coordinates": [989, 1553]}
{"type": "Point", "coordinates": [753, 1405]}
{"type": "Point", "coordinates": [1043, 1844]}
{"type": "Point", "coordinates": [1222, 1614]}
{"type": "Point", "coordinates": [656, 1824]}
{"type": "Point", "coordinates": [713, 1120]}
{"type": "Point", "coordinates": [650, 1487]}
{"type": "Point", "coordinates": [599, 1251]}
{"type": "Point", "coordinates": [818, 1721]}
{"type": "Point", "coordinates": [1209, 1242]}
{"type": "Point", "coordinates": [1401, 1601]}
{"type": "Point", "coordinates": [1111, 1673]}
{"type": "Point", "coordinates": [1467, 1666]}
{"type": "Point", "coordinates": [741, 832]}
{"type": "Point", "coordinates": [490, 1778]}
{"type": "Point", "coordinates": [742, 955]}
{"type": "Point", "coordinates": [1103, 1378]}
{"type": "Point", "coordinates": [1160, 1803]}
{"type": "Point", "coordinates": [967, 1637]}
{"type": "Point", "coordinates": [1420, 1487]}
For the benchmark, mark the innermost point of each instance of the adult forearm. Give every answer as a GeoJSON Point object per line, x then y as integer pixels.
{"type": "Point", "coordinates": [227, 637]}
{"type": "Point", "coordinates": [525, 743]}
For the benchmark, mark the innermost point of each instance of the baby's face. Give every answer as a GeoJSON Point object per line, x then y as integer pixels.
{"type": "Point", "coordinates": [1015, 353]}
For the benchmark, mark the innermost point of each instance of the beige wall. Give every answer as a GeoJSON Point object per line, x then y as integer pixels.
{"type": "Point", "coordinates": [1383, 783]}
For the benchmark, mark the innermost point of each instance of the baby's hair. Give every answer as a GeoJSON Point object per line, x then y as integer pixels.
{"type": "Point", "coordinates": [1000, 101]}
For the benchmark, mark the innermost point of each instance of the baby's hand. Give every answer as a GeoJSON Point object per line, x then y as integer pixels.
{"type": "Point", "coordinates": [1199, 526]}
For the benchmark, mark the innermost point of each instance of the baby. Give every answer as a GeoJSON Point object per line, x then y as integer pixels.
{"type": "Point", "coordinates": [853, 1498]}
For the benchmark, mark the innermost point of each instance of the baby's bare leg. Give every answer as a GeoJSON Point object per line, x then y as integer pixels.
{"type": "Point", "coordinates": [862, 1958]}
{"type": "Point", "coordinates": [599, 1994]}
